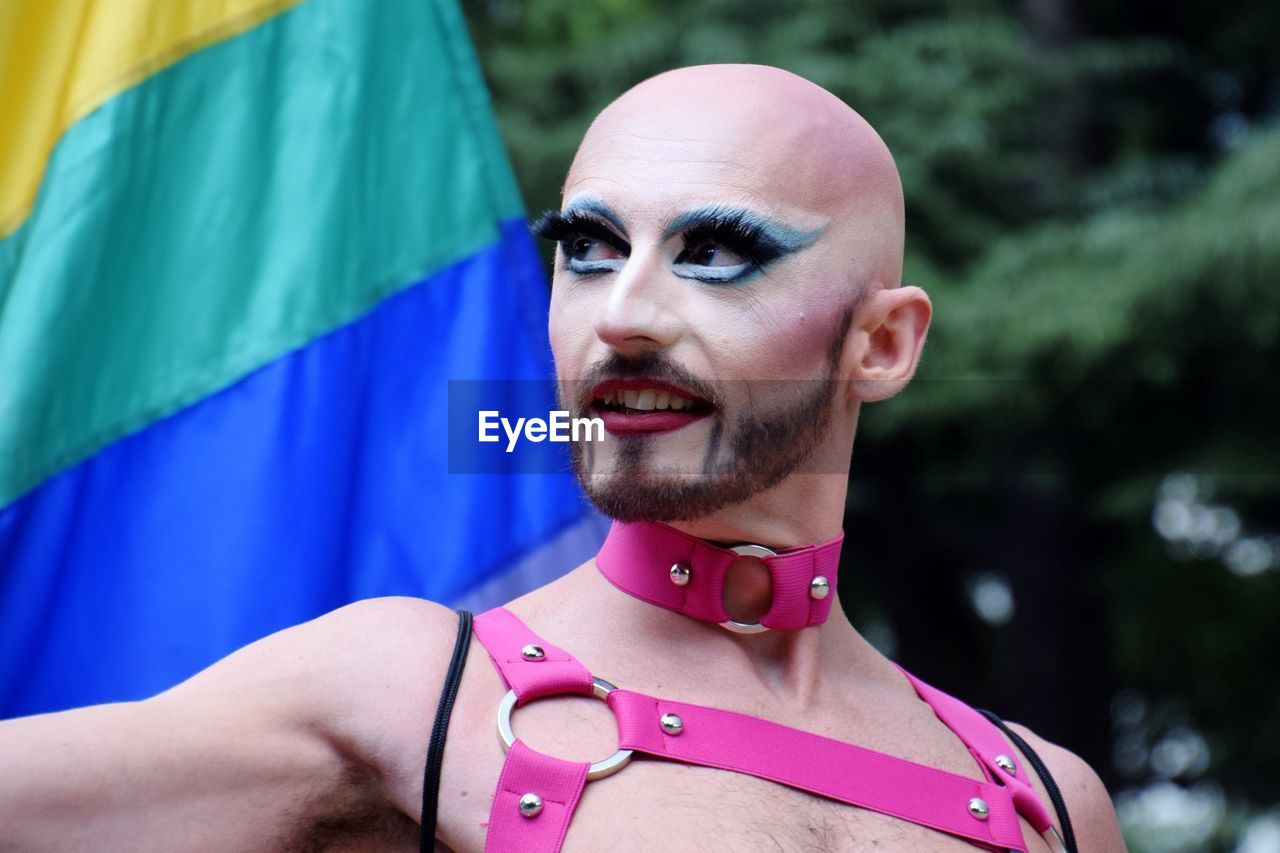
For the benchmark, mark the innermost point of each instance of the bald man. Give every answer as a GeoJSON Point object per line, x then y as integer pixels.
{"type": "Point", "coordinates": [726, 296]}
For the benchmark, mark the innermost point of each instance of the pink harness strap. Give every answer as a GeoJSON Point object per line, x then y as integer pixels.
{"type": "Point", "coordinates": [558, 785]}
{"type": "Point", "coordinates": [637, 557]}
{"type": "Point", "coordinates": [713, 737]}
{"type": "Point", "coordinates": [987, 744]}
{"type": "Point", "coordinates": [505, 637]}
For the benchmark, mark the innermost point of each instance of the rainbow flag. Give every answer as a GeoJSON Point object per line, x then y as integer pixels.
{"type": "Point", "coordinates": [244, 246]}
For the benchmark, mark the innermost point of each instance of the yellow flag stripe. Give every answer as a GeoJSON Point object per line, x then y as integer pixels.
{"type": "Point", "coordinates": [61, 59]}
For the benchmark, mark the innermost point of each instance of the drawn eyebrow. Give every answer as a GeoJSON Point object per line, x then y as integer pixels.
{"type": "Point", "coordinates": [562, 229]}
{"type": "Point", "coordinates": [755, 236]}
{"type": "Point", "coordinates": [595, 207]}
{"type": "Point", "coordinates": [784, 236]}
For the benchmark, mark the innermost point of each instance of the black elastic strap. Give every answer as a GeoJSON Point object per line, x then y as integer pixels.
{"type": "Point", "coordinates": [435, 750]}
{"type": "Point", "coordinates": [1055, 796]}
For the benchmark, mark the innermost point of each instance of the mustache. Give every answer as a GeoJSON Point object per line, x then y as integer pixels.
{"type": "Point", "coordinates": [650, 365]}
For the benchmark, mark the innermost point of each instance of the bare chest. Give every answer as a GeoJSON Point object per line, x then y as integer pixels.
{"type": "Point", "coordinates": [663, 805]}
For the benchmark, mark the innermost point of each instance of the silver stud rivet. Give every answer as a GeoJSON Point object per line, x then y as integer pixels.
{"type": "Point", "coordinates": [532, 652]}
{"type": "Point", "coordinates": [530, 804]}
{"type": "Point", "coordinates": [680, 573]}
{"type": "Point", "coordinates": [820, 588]}
{"type": "Point", "coordinates": [671, 724]}
{"type": "Point", "coordinates": [1006, 764]}
{"type": "Point", "coordinates": [978, 808]}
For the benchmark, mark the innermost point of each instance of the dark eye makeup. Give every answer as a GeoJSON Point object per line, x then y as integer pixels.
{"type": "Point", "coordinates": [720, 245]}
{"type": "Point", "coordinates": [584, 238]}
{"type": "Point", "coordinates": [565, 227]}
{"type": "Point", "coordinates": [726, 247]}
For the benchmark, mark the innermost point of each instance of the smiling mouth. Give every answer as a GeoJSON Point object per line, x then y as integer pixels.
{"type": "Point", "coordinates": [638, 405]}
{"type": "Point", "coordinates": [646, 400]}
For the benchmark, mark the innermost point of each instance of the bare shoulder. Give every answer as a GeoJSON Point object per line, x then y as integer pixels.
{"type": "Point", "coordinates": [346, 650]}
{"type": "Point", "coordinates": [380, 660]}
{"type": "Point", "coordinates": [388, 617]}
{"type": "Point", "coordinates": [282, 741]}
{"type": "Point", "coordinates": [383, 663]}
{"type": "Point", "coordinates": [367, 635]}
{"type": "Point", "coordinates": [369, 676]}
{"type": "Point", "coordinates": [1093, 816]}
{"type": "Point", "coordinates": [366, 678]}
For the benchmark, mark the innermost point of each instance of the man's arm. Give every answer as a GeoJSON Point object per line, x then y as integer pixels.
{"type": "Point", "coordinates": [255, 752]}
{"type": "Point", "coordinates": [1089, 805]}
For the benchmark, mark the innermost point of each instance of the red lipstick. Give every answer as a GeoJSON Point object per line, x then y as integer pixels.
{"type": "Point", "coordinates": [620, 420]}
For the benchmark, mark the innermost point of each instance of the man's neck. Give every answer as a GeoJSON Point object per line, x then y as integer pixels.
{"type": "Point", "coordinates": [794, 669]}
{"type": "Point", "coordinates": [802, 510]}
{"type": "Point", "coordinates": [788, 666]}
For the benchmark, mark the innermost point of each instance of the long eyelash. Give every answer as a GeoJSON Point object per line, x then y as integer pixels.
{"type": "Point", "coordinates": [565, 228]}
{"type": "Point", "coordinates": [735, 233]}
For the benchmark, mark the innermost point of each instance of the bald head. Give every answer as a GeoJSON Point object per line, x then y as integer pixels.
{"type": "Point", "coordinates": [766, 135]}
{"type": "Point", "coordinates": [730, 250]}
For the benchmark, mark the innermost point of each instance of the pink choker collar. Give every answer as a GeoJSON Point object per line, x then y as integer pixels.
{"type": "Point", "coordinates": [663, 566]}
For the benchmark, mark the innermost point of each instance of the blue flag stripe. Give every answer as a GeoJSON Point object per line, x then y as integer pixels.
{"type": "Point", "coordinates": [317, 480]}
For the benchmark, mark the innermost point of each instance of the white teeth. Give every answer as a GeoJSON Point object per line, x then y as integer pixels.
{"type": "Point", "coordinates": [646, 400]}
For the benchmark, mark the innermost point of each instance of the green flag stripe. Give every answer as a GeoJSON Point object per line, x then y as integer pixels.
{"type": "Point", "coordinates": [227, 210]}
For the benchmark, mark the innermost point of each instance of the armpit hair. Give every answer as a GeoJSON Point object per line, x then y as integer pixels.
{"type": "Point", "coordinates": [352, 815]}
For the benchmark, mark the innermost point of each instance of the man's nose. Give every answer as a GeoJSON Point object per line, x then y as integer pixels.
{"type": "Point", "coordinates": [640, 311]}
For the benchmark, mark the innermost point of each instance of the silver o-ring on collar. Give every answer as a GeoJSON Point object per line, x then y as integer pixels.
{"type": "Point", "coordinates": [748, 549]}
{"type": "Point", "coordinates": [600, 689]}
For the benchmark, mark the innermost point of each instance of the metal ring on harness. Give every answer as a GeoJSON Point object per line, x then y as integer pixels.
{"type": "Point", "coordinates": [600, 689]}
{"type": "Point", "coordinates": [1057, 845]}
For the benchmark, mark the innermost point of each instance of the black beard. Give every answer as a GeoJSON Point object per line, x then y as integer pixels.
{"type": "Point", "coordinates": [762, 451]}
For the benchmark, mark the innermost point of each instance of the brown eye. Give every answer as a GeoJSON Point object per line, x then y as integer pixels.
{"type": "Point", "coordinates": [713, 255]}
{"type": "Point", "coordinates": [588, 249]}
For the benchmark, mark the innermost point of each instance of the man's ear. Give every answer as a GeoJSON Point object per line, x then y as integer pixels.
{"type": "Point", "coordinates": [883, 348]}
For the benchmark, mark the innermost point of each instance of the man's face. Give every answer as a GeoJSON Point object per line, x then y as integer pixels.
{"type": "Point", "coordinates": [700, 300]}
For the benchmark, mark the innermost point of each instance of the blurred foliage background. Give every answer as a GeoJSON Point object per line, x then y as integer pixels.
{"type": "Point", "coordinates": [1072, 516]}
